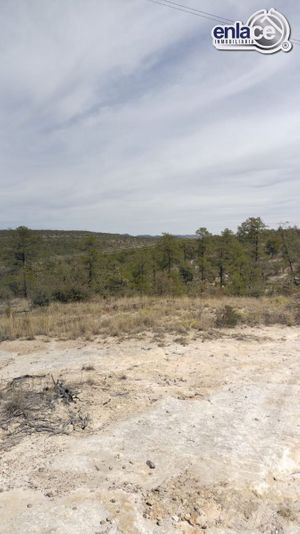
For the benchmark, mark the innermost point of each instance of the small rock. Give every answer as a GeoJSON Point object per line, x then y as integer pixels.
{"type": "Point", "coordinates": [150, 464]}
{"type": "Point", "coordinates": [201, 522]}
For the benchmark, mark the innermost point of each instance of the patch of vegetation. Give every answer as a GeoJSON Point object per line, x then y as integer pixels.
{"type": "Point", "coordinates": [227, 317]}
{"type": "Point", "coordinates": [132, 316]}
{"type": "Point", "coordinates": [48, 266]}
{"type": "Point", "coordinates": [88, 367]}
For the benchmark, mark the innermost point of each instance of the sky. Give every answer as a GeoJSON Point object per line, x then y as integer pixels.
{"type": "Point", "coordinates": [120, 116]}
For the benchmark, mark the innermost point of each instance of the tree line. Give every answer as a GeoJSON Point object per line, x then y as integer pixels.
{"type": "Point", "coordinates": [253, 261]}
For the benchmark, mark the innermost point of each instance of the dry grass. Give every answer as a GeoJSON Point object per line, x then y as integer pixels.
{"type": "Point", "coordinates": [131, 316]}
{"type": "Point", "coordinates": [88, 367]}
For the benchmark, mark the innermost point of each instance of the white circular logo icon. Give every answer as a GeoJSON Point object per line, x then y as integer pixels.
{"type": "Point", "coordinates": [270, 31]}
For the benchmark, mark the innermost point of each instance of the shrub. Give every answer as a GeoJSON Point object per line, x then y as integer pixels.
{"type": "Point", "coordinates": [88, 367]}
{"type": "Point", "coordinates": [40, 298]}
{"type": "Point", "coordinates": [227, 317]}
{"type": "Point", "coordinates": [72, 294]}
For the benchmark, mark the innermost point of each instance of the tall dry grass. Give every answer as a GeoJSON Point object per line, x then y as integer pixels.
{"type": "Point", "coordinates": [116, 317]}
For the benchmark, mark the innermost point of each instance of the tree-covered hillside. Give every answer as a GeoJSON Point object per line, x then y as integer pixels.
{"type": "Point", "coordinates": [53, 265]}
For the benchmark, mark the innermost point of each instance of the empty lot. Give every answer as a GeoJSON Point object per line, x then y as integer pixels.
{"type": "Point", "coordinates": [184, 435]}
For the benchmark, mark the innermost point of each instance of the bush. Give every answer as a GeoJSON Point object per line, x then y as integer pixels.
{"type": "Point", "coordinates": [72, 294]}
{"type": "Point", "coordinates": [227, 317]}
{"type": "Point", "coordinates": [40, 298]}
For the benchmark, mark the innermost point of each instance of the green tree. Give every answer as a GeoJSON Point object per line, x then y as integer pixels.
{"type": "Point", "coordinates": [23, 250]}
{"type": "Point", "coordinates": [90, 259]}
{"type": "Point", "coordinates": [224, 246]}
{"type": "Point", "coordinates": [232, 263]}
{"type": "Point", "coordinates": [290, 244]}
{"type": "Point", "coordinates": [203, 247]}
{"type": "Point", "coordinates": [168, 252]}
{"type": "Point", "coordinates": [250, 232]}
{"type": "Point", "coordinates": [139, 270]}
{"type": "Point", "coordinates": [273, 244]}
{"type": "Point", "coordinates": [188, 249]}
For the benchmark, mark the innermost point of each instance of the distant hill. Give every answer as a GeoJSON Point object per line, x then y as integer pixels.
{"type": "Point", "coordinates": [69, 242]}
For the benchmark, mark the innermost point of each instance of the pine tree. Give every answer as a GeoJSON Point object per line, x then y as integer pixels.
{"type": "Point", "coordinates": [204, 242]}
{"type": "Point", "coordinates": [22, 252]}
{"type": "Point", "coordinates": [90, 259]}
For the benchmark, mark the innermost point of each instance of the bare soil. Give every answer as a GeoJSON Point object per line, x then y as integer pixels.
{"type": "Point", "coordinates": [161, 435]}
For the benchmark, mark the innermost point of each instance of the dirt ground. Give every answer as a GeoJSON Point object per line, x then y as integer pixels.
{"type": "Point", "coordinates": [179, 436]}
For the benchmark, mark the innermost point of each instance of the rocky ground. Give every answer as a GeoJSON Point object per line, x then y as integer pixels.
{"type": "Point", "coordinates": [152, 435]}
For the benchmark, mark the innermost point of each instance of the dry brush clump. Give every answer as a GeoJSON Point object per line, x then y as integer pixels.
{"type": "Point", "coordinates": [131, 316]}
{"type": "Point", "coordinates": [38, 403]}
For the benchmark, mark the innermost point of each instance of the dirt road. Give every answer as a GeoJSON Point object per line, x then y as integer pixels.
{"type": "Point", "coordinates": [180, 437]}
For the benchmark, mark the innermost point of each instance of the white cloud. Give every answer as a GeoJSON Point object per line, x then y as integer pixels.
{"type": "Point", "coordinates": [121, 116]}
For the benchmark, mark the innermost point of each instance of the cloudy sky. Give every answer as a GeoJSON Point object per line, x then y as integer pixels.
{"type": "Point", "coordinates": [120, 116]}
